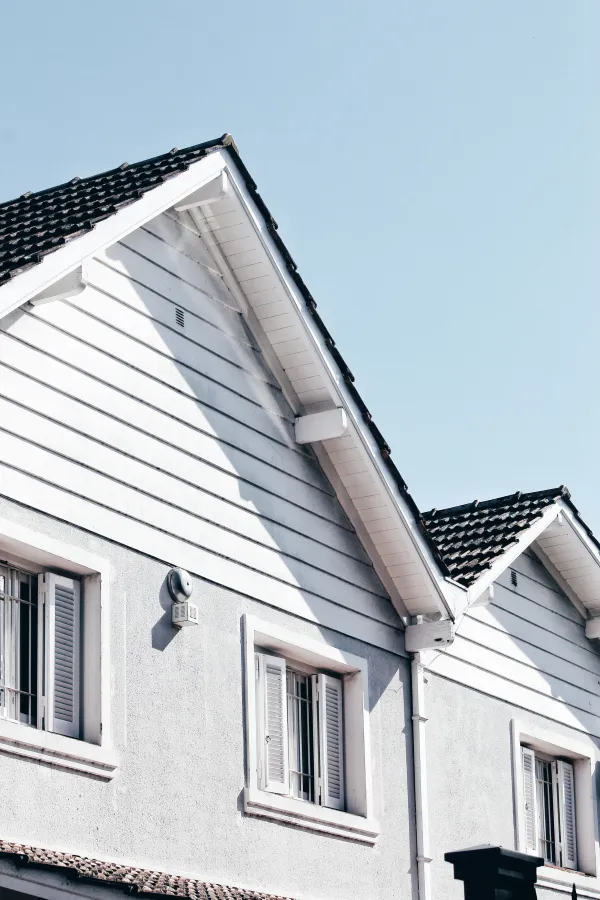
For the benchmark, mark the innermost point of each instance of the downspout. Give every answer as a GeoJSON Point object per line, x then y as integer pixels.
{"type": "Point", "coordinates": [420, 769]}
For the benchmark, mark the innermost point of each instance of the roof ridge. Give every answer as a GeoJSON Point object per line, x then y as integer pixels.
{"type": "Point", "coordinates": [495, 502]}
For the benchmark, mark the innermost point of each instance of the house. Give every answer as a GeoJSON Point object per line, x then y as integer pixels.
{"type": "Point", "coordinates": [359, 687]}
{"type": "Point", "coordinates": [171, 400]}
{"type": "Point", "coordinates": [513, 706]}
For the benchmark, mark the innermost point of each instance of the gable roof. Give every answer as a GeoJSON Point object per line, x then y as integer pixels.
{"type": "Point", "coordinates": [129, 879]}
{"type": "Point", "coordinates": [479, 540]}
{"type": "Point", "coordinates": [471, 537]}
{"type": "Point", "coordinates": [46, 235]}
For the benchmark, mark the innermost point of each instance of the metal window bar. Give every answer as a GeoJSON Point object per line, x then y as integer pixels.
{"type": "Point", "coordinates": [546, 809]}
{"type": "Point", "coordinates": [18, 646]}
{"type": "Point", "coordinates": [300, 735]}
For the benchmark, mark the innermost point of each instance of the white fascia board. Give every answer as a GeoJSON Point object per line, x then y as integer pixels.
{"type": "Point", "coordinates": [503, 562]}
{"type": "Point", "coordinates": [22, 287]}
{"type": "Point", "coordinates": [444, 591]}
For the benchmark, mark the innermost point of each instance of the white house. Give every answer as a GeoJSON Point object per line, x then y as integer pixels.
{"type": "Point", "coordinates": [356, 692]}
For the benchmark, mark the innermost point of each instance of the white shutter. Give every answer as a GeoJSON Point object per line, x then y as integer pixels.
{"type": "Point", "coordinates": [566, 813]}
{"type": "Point", "coordinates": [331, 741]}
{"type": "Point", "coordinates": [272, 725]}
{"type": "Point", "coordinates": [529, 801]}
{"type": "Point", "coordinates": [59, 600]}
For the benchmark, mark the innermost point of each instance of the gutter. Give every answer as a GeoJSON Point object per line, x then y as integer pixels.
{"type": "Point", "coordinates": [419, 720]}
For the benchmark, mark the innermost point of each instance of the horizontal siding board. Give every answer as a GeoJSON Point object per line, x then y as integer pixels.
{"type": "Point", "coordinates": [181, 234]}
{"type": "Point", "coordinates": [551, 598]}
{"type": "Point", "coordinates": [144, 272]}
{"type": "Point", "coordinates": [341, 560]}
{"type": "Point", "coordinates": [534, 611]}
{"type": "Point", "coordinates": [493, 685]}
{"type": "Point", "coordinates": [258, 468]}
{"type": "Point", "coordinates": [120, 498]}
{"type": "Point", "coordinates": [527, 676]}
{"type": "Point", "coordinates": [156, 308]}
{"type": "Point", "coordinates": [529, 632]}
{"type": "Point", "coordinates": [273, 449]}
{"type": "Point", "coordinates": [150, 541]}
{"type": "Point", "coordinates": [177, 344]}
{"type": "Point", "coordinates": [178, 261]}
{"type": "Point", "coordinates": [99, 338]}
{"type": "Point", "coordinates": [532, 655]}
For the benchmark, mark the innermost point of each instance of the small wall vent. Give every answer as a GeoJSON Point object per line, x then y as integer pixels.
{"type": "Point", "coordinates": [513, 578]}
{"type": "Point", "coordinates": [179, 317]}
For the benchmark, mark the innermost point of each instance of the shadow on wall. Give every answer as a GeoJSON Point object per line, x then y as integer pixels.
{"type": "Point", "coordinates": [264, 503]}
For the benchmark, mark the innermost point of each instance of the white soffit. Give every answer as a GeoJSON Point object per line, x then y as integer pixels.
{"type": "Point", "coordinates": [253, 265]}
{"type": "Point", "coordinates": [574, 555]}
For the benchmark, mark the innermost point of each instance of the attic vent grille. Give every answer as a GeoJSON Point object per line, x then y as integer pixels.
{"type": "Point", "coordinates": [179, 317]}
{"type": "Point", "coordinates": [513, 578]}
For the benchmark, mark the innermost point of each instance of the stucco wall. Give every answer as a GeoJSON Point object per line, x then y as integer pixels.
{"type": "Point", "coordinates": [470, 776]}
{"type": "Point", "coordinates": [177, 719]}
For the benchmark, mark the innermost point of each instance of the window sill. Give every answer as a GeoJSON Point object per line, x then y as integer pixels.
{"type": "Point", "coordinates": [558, 879]}
{"type": "Point", "coordinates": [311, 816]}
{"type": "Point", "coordinates": [57, 750]}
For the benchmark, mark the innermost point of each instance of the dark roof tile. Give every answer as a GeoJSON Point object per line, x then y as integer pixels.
{"type": "Point", "coordinates": [471, 537]}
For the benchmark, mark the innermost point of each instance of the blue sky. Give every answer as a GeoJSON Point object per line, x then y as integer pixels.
{"type": "Point", "coordinates": [433, 168]}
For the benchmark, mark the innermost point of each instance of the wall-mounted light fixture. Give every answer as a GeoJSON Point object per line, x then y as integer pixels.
{"type": "Point", "coordinates": [180, 588]}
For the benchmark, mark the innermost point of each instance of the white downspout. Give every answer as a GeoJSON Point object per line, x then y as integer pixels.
{"type": "Point", "coordinates": [420, 768]}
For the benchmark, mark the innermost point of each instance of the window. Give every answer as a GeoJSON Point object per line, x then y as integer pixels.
{"type": "Point", "coordinates": [55, 664]}
{"type": "Point", "coordinates": [300, 732]}
{"type": "Point", "coordinates": [307, 733]}
{"type": "Point", "coordinates": [39, 650]}
{"type": "Point", "coordinates": [549, 798]}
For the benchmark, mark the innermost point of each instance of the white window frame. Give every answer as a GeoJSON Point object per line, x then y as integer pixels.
{"type": "Point", "coordinates": [93, 752]}
{"type": "Point", "coordinates": [356, 822]}
{"type": "Point", "coordinates": [584, 756]}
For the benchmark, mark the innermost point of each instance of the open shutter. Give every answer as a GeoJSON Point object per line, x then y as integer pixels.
{"type": "Point", "coordinates": [529, 801]}
{"type": "Point", "coordinates": [272, 737]}
{"type": "Point", "coordinates": [60, 609]}
{"type": "Point", "coordinates": [331, 741]}
{"type": "Point", "coordinates": [566, 813]}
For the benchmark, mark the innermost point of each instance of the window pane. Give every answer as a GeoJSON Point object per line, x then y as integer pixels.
{"type": "Point", "coordinates": [545, 800]}
{"type": "Point", "coordinates": [300, 734]}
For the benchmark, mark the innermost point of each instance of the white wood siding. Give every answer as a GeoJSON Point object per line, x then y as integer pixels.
{"type": "Point", "coordinates": [528, 647]}
{"type": "Point", "coordinates": [176, 440]}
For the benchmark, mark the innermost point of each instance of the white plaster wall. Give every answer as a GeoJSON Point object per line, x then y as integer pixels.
{"type": "Point", "coordinates": [471, 777]}
{"type": "Point", "coordinates": [177, 719]}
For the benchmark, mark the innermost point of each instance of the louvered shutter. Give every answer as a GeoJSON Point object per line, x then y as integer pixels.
{"type": "Point", "coordinates": [529, 801]}
{"type": "Point", "coordinates": [331, 741]}
{"type": "Point", "coordinates": [566, 814]}
{"type": "Point", "coordinates": [272, 731]}
{"type": "Point", "coordinates": [61, 611]}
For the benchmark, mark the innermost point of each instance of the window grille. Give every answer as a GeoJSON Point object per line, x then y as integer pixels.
{"type": "Point", "coordinates": [300, 735]}
{"type": "Point", "coordinates": [18, 646]}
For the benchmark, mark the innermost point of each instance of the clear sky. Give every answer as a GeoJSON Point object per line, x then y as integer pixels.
{"type": "Point", "coordinates": [434, 169]}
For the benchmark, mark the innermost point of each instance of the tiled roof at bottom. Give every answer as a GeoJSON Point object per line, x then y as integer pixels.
{"type": "Point", "coordinates": [471, 537]}
{"type": "Point", "coordinates": [129, 878]}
